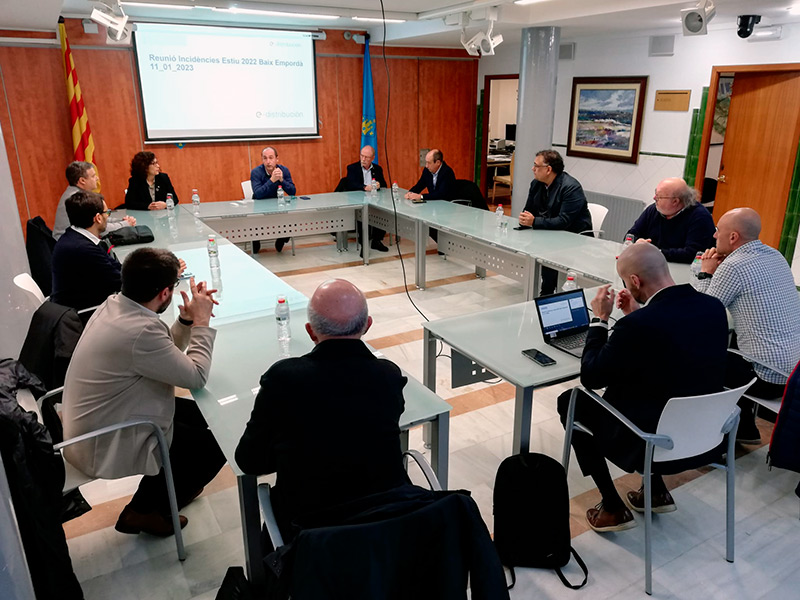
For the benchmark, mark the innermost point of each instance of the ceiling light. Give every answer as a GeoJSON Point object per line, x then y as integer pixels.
{"type": "Point", "coordinates": [274, 13]}
{"type": "Point", "coordinates": [695, 20]}
{"type": "Point", "coordinates": [377, 20]}
{"type": "Point", "coordinates": [156, 5]}
{"type": "Point", "coordinates": [526, 2]}
{"type": "Point", "coordinates": [766, 34]}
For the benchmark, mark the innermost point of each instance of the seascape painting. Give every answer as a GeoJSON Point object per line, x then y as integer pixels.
{"type": "Point", "coordinates": [606, 117]}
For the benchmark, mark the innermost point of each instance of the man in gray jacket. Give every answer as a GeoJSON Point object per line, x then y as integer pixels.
{"type": "Point", "coordinates": [126, 365]}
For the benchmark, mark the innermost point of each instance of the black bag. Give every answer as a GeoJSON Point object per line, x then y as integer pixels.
{"type": "Point", "coordinates": [138, 234]}
{"type": "Point", "coordinates": [531, 515]}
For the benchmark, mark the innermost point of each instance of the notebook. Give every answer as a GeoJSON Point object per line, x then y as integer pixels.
{"type": "Point", "coordinates": [564, 319]}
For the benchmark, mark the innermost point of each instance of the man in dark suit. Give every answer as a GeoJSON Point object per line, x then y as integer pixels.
{"type": "Point", "coordinates": [359, 177]}
{"type": "Point", "coordinates": [437, 178]}
{"type": "Point", "coordinates": [85, 271]}
{"type": "Point", "coordinates": [555, 201]}
{"type": "Point", "coordinates": [265, 179]}
{"type": "Point", "coordinates": [309, 404]}
{"type": "Point", "coordinates": [671, 342]}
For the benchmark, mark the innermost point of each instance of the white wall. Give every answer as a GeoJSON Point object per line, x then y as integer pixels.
{"type": "Point", "coordinates": [503, 106]}
{"type": "Point", "coordinates": [662, 132]}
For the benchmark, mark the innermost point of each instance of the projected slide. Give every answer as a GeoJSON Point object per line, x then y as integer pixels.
{"type": "Point", "coordinates": [225, 82]}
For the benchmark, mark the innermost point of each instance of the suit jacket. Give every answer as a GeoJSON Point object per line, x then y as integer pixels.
{"type": "Point", "coordinates": [126, 365]}
{"type": "Point", "coordinates": [264, 187]}
{"type": "Point", "coordinates": [355, 176]}
{"type": "Point", "coordinates": [445, 187]}
{"type": "Point", "coordinates": [307, 407]}
{"type": "Point", "coordinates": [84, 273]}
{"type": "Point", "coordinates": [563, 206]}
{"type": "Point", "coordinates": [138, 194]}
{"type": "Point", "coordinates": [676, 345]}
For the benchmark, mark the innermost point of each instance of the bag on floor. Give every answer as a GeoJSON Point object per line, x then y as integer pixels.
{"type": "Point", "coordinates": [531, 516]}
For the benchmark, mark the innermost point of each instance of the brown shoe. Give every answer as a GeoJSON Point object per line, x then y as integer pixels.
{"type": "Point", "coordinates": [153, 523]}
{"type": "Point", "coordinates": [602, 520]}
{"type": "Point", "coordinates": [662, 503]}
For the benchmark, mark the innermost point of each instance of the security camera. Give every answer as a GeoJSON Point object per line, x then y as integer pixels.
{"type": "Point", "coordinates": [745, 25]}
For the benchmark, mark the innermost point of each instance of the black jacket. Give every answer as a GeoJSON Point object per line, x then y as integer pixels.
{"type": "Point", "coordinates": [36, 479]}
{"type": "Point", "coordinates": [563, 206]}
{"type": "Point", "coordinates": [138, 195]}
{"type": "Point", "coordinates": [445, 187]}
{"type": "Point", "coordinates": [355, 176]}
{"type": "Point", "coordinates": [405, 543]}
{"type": "Point", "coordinates": [307, 408]}
{"type": "Point", "coordinates": [84, 273]}
{"type": "Point", "coordinates": [679, 238]}
{"type": "Point", "coordinates": [676, 345]}
{"type": "Point", "coordinates": [784, 448]}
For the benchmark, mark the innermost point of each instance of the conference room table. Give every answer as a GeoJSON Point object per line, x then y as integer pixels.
{"type": "Point", "coordinates": [246, 346]}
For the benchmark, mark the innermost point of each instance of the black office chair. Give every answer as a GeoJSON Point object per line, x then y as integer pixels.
{"type": "Point", "coordinates": [467, 189]}
{"type": "Point", "coordinates": [39, 246]}
{"type": "Point", "coordinates": [342, 185]}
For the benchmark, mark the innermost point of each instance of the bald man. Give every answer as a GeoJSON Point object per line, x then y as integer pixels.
{"type": "Point", "coordinates": [675, 223]}
{"type": "Point", "coordinates": [359, 177]}
{"type": "Point", "coordinates": [309, 408]}
{"type": "Point", "coordinates": [265, 180]}
{"type": "Point", "coordinates": [671, 342]}
{"type": "Point", "coordinates": [437, 179]}
{"type": "Point", "coordinates": [755, 283]}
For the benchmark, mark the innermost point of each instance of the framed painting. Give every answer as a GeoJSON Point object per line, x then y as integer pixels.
{"type": "Point", "coordinates": [605, 118]}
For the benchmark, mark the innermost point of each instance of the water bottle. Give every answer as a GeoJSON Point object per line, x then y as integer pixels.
{"type": "Point", "coordinates": [695, 267]}
{"type": "Point", "coordinates": [628, 241]}
{"type": "Point", "coordinates": [570, 284]}
{"type": "Point", "coordinates": [499, 214]}
{"type": "Point", "coordinates": [281, 197]}
{"type": "Point", "coordinates": [282, 315]}
{"type": "Point", "coordinates": [170, 202]}
{"type": "Point", "coordinates": [195, 202]}
{"type": "Point", "coordinates": [213, 263]}
{"type": "Point", "coordinates": [395, 191]}
{"type": "Point", "coordinates": [173, 226]}
{"type": "Point", "coordinates": [374, 189]}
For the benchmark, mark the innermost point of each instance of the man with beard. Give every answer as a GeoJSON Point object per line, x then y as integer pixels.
{"type": "Point", "coordinates": [127, 365]}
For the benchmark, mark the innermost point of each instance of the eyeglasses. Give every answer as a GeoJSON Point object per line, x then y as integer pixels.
{"type": "Point", "coordinates": [175, 285]}
{"type": "Point", "coordinates": [106, 212]}
{"type": "Point", "coordinates": [535, 166]}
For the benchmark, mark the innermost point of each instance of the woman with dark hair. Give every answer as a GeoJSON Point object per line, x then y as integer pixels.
{"type": "Point", "coordinates": [148, 186]}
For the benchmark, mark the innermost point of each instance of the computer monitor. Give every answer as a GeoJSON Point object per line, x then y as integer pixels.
{"type": "Point", "coordinates": [511, 132]}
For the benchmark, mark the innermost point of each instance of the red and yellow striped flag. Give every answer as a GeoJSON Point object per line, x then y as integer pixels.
{"type": "Point", "coordinates": [82, 141]}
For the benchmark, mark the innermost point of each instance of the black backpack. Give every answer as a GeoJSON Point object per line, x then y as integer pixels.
{"type": "Point", "coordinates": [531, 515]}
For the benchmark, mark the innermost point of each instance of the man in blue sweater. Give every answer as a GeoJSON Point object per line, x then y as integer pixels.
{"type": "Point", "coordinates": [675, 223]}
{"type": "Point", "coordinates": [266, 179]}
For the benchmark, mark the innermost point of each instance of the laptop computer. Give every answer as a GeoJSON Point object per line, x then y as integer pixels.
{"type": "Point", "coordinates": [564, 319]}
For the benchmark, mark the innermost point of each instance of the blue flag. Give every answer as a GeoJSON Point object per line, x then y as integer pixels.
{"type": "Point", "coordinates": [369, 134]}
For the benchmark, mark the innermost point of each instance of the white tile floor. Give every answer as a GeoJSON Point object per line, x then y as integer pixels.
{"type": "Point", "coordinates": [688, 549]}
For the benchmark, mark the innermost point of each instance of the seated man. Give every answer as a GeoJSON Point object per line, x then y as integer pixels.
{"type": "Point", "coordinates": [756, 285]}
{"type": "Point", "coordinates": [126, 365]}
{"type": "Point", "coordinates": [555, 201]}
{"type": "Point", "coordinates": [85, 271]}
{"type": "Point", "coordinates": [675, 223]}
{"type": "Point", "coordinates": [82, 176]}
{"type": "Point", "coordinates": [309, 406]}
{"type": "Point", "coordinates": [265, 179]}
{"type": "Point", "coordinates": [359, 177]}
{"type": "Point", "coordinates": [671, 342]}
{"type": "Point", "coordinates": [437, 178]}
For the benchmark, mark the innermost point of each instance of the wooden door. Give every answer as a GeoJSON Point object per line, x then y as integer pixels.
{"type": "Point", "coordinates": [761, 143]}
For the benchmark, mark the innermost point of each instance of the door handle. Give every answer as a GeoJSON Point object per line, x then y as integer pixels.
{"type": "Point", "coordinates": [722, 179]}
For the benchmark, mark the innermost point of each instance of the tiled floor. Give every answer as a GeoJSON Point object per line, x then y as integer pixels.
{"type": "Point", "coordinates": [688, 549]}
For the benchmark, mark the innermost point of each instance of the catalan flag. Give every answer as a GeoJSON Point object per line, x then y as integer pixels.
{"type": "Point", "coordinates": [369, 133]}
{"type": "Point", "coordinates": [82, 141]}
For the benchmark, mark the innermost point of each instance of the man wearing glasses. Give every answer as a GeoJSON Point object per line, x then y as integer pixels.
{"type": "Point", "coordinates": [555, 201]}
{"type": "Point", "coordinates": [85, 271]}
{"type": "Point", "coordinates": [127, 365]}
{"type": "Point", "coordinates": [675, 223]}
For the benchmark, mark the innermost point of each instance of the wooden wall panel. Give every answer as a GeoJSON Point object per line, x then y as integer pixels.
{"type": "Point", "coordinates": [36, 96]}
{"type": "Point", "coordinates": [37, 100]}
{"type": "Point", "coordinates": [403, 141]}
{"type": "Point", "coordinates": [447, 114]}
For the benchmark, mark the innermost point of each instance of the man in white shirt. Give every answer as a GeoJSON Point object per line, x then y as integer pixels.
{"type": "Point", "coordinates": [82, 176]}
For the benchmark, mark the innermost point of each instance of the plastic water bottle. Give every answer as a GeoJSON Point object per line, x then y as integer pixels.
{"type": "Point", "coordinates": [395, 191]}
{"type": "Point", "coordinates": [282, 316]}
{"type": "Point", "coordinates": [695, 267]}
{"type": "Point", "coordinates": [170, 202]}
{"type": "Point", "coordinates": [628, 241]}
{"type": "Point", "coordinates": [195, 202]}
{"type": "Point", "coordinates": [499, 214]}
{"type": "Point", "coordinates": [373, 190]}
{"type": "Point", "coordinates": [281, 196]}
{"type": "Point", "coordinates": [213, 263]}
{"type": "Point", "coordinates": [570, 284]}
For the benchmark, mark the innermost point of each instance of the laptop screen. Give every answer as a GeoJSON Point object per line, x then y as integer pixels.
{"type": "Point", "coordinates": [562, 314]}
